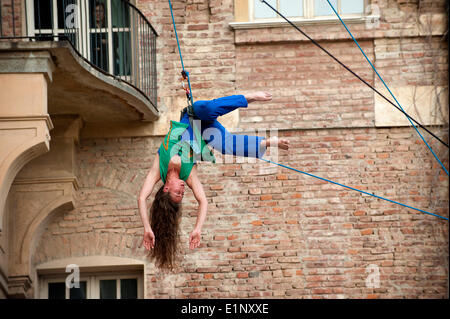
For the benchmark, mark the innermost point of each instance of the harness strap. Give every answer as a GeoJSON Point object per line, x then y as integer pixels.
{"type": "Point", "coordinates": [196, 142]}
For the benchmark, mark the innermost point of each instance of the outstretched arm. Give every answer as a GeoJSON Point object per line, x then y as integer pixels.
{"type": "Point", "coordinates": [258, 96]}
{"type": "Point", "coordinates": [197, 188]}
{"type": "Point", "coordinates": [152, 178]}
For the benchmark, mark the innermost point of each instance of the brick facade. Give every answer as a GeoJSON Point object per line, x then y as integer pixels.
{"type": "Point", "coordinates": [272, 232]}
{"type": "Point", "coordinates": [280, 234]}
{"type": "Point", "coordinates": [10, 19]}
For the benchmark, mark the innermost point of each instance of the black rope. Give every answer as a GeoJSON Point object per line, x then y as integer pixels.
{"type": "Point", "coordinates": [352, 72]}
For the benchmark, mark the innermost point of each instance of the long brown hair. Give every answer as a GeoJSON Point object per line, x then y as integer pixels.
{"type": "Point", "coordinates": [165, 221]}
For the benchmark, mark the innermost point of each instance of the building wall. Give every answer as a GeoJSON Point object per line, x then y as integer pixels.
{"type": "Point", "coordinates": [276, 233]}
{"type": "Point", "coordinates": [12, 17]}
{"type": "Point", "coordinates": [271, 232]}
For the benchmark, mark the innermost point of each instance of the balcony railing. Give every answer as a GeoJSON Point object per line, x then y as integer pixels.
{"type": "Point", "coordinates": [111, 35]}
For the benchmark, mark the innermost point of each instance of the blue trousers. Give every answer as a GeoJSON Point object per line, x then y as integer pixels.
{"type": "Point", "coordinates": [217, 136]}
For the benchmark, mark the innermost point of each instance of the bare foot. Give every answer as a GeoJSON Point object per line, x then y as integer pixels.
{"type": "Point", "coordinates": [258, 96]}
{"type": "Point", "coordinates": [275, 141]}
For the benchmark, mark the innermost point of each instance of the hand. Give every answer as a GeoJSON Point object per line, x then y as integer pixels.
{"type": "Point", "coordinates": [194, 239]}
{"type": "Point", "coordinates": [148, 240]}
{"type": "Point", "coordinates": [281, 143]}
{"type": "Point", "coordinates": [258, 96]}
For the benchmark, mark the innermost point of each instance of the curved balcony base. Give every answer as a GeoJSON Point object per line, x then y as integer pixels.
{"type": "Point", "coordinates": [79, 88]}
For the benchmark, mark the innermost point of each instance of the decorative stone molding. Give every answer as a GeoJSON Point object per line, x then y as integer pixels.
{"type": "Point", "coordinates": [38, 203]}
{"type": "Point", "coordinates": [19, 286]}
{"type": "Point", "coordinates": [93, 263]}
{"type": "Point", "coordinates": [34, 204]}
{"type": "Point", "coordinates": [24, 119]}
{"type": "Point", "coordinates": [44, 188]}
{"type": "Point", "coordinates": [27, 62]}
{"type": "Point", "coordinates": [22, 139]}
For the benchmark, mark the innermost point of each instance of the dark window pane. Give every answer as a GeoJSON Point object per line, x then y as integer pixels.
{"type": "Point", "coordinates": [78, 293]}
{"type": "Point", "coordinates": [42, 14]}
{"type": "Point", "coordinates": [98, 16]}
{"type": "Point", "coordinates": [68, 14]}
{"type": "Point", "coordinates": [120, 14]}
{"type": "Point", "coordinates": [72, 36]}
{"type": "Point", "coordinates": [99, 50]}
{"type": "Point", "coordinates": [122, 53]}
{"type": "Point", "coordinates": [56, 290]}
{"type": "Point", "coordinates": [59, 6]}
{"type": "Point", "coordinates": [69, 20]}
{"type": "Point", "coordinates": [128, 288]}
{"type": "Point", "coordinates": [108, 289]}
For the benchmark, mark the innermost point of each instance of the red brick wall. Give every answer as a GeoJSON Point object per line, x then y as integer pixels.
{"type": "Point", "coordinates": [310, 89]}
{"type": "Point", "coordinates": [273, 232]}
{"type": "Point", "coordinates": [413, 61]}
{"type": "Point", "coordinates": [10, 17]}
{"type": "Point", "coordinates": [207, 46]}
{"type": "Point", "coordinates": [278, 234]}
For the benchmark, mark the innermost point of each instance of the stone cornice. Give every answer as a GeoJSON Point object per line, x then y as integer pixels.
{"type": "Point", "coordinates": [30, 118]}
{"type": "Point", "coordinates": [72, 180]}
{"type": "Point", "coordinates": [330, 29]}
{"type": "Point", "coordinates": [27, 62]}
{"type": "Point", "coordinates": [299, 22]}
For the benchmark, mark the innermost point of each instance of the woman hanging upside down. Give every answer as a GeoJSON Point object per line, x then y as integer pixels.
{"type": "Point", "coordinates": [175, 164]}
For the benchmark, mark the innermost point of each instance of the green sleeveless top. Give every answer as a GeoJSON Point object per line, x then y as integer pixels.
{"type": "Point", "coordinates": [172, 145]}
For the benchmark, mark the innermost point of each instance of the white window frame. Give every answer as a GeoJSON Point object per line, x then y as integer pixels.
{"type": "Point", "coordinates": [86, 46]}
{"type": "Point", "coordinates": [32, 31]}
{"type": "Point", "coordinates": [308, 12]}
{"type": "Point", "coordinates": [307, 18]}
{"type": "Point", "coordinates": [93, 283]}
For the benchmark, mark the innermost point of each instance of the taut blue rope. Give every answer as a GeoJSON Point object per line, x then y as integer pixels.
{"type": "Point", "coordinates": [352, 72]}
{"type": "Point", "coordinates": [181, 57]}
{"type": "Point", "coordinates": [293, 169]}
{"type": "Point", "coordinates": [354, 189]}
{"type": "Point", "coordinates": [379, 76]}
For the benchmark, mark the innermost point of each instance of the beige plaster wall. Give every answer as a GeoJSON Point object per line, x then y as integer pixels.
{"type": "Point", "coordinates": [427, 104]}
{"type": "Point", "coordinates": [23, 94]}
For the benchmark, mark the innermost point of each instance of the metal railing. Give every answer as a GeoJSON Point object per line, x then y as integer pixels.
{"type": "Point", "coordinates": [112, 35]}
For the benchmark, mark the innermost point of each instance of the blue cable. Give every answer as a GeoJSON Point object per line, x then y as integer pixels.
{"type": "Point", "coordinates": [176, 34]}
{"type": "Point", "coordinates": [179, 51]}
{"type": "Point", "coordinates": [354, 189]}
{"type": "Point", "coordinates": [318, 177]}
{"type": "Point", "coordinates": [379, 76]}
